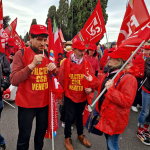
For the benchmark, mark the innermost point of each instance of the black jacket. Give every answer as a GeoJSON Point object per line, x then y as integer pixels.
{"type": "Point", "coordinates": [147, 74]}
{"type": "Point", "coordinates": [4, 71]}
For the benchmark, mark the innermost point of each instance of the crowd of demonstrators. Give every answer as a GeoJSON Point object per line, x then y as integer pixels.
{"type": "Point", "coordinates": [139, 61]}
{"type": "Point", "coordinates": [30, 71]}
{"type": "Point", "coordinates": [114, 105]}
{"type": "Point", "coordinates": [4, 84]}
{"type": "Point", "coordinates": [71, 78]}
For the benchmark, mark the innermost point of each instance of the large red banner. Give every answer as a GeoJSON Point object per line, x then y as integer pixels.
{"type": "Point", "coordinates": [136, 14]}
{"type": "Point", "coordinates": [134, 40]}
{"type": "Point", "coordinates": [94, 28]}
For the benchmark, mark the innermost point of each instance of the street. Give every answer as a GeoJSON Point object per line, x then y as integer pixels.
{"type": "Point", "coordinates": [127, 140]}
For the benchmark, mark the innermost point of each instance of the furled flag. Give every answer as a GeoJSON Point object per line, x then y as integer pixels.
{"type": "Point", "coordinates": [2, 37]}
{"type": "Point", "coordinates": [10, 30]}
{"type": "Point", "coordinates": [94, 28]}
{"type": "Point", "coordinates": [61, 35]}
{"type": "Point", "coordinates": [134, 40]}
{"type": "Point", "coordinates": [55, 91]}
{"type": "Point", "coordinates": [58, 47]}
{"type": "Point", "coordinates": [136, 14]}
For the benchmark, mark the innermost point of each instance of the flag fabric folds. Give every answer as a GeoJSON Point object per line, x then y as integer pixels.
{"type": "Point", "coordinates": [2, 37]}
{"type": "Point", "coordinates": [18, 41]}
{"type": "Point", "coordinates": [61, 35]}
{"type": "Point", "coordinates": [136, 14]}
{"type": "Point", "coordinates": [10, 30]}
{"type": "Point", "coordinates": [58, 47]}
{"type": "Point", "coordinates": [55, 91]}
{"type": "Point", "coordinates": [134, 40]}
{"type": "Point", "coordinates": [94, 28]}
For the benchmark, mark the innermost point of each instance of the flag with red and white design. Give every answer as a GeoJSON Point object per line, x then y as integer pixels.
{"type": "Point", "coordinates": [18, 41]}
{"type": "Point", "coordinates": [94, 28]}
{"type": "Point", "coordinates": [136, 14]}
{"type": "Point", "coordinates": [134, 40]}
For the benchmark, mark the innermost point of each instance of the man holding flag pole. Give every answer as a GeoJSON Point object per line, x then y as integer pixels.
{"type": "Point", "coordinates": [30, 72]}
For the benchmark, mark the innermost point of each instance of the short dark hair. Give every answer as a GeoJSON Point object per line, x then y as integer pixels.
{"type": "Point", "coordinates": [39, 35]}
{"type": "Point", "coordinates": [95, 53]}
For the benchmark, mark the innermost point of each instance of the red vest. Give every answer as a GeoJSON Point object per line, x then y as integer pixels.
{"type": "Point", "coordinates": [74, 80]}
{"type": "Point", "coordinates": [33, 92]}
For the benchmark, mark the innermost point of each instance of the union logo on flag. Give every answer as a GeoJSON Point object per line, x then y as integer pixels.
{"type": "Point", "coordinates": [95, 29]}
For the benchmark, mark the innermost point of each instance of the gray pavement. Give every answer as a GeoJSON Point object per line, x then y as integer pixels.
{"type": "Point", "coordinates": [127, 140]}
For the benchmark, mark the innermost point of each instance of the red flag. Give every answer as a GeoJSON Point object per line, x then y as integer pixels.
{"type": "Point", "coordinates": [61, 35]}
{"type": "Point", "coordinates": [18, 40]}
{"type": "Point", "coordinates": [94, 28]}
{"type": "Point", "coordinates": [2, 37]}
{"type": "Point", "coordinates": [58, 48]}
{"type": "Point", "coordinates": [10, 30]}
{"type": "Point", "coordinates": [134, 40]}
{"type": "Point", "coordinates": [55, 91]}
{"type": "Point", "coordinates": [136, 14]}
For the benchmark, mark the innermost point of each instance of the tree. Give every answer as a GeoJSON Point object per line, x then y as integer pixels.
{"type": "Point", "coordinates": [6, 19]}
{"type": "Point", "coordinates": [21, 37]}
{"type": "Point", "coordinates": [33, 22]}
{"type": "Point", "coordinates": [82, 10]}
{"type": "Point", "coordinates": [26, 37]}
{"type": "Point", "coordinates": [51, 14]}
{"type": "Point", "coordinates": [62, 16]}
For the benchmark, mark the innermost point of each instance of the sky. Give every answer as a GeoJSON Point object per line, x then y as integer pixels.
{"type": "Point", "coordinates": [26, 10]}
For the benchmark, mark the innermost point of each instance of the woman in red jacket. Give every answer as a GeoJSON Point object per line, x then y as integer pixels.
{"type": "Point", "coordinates": [114, 105]}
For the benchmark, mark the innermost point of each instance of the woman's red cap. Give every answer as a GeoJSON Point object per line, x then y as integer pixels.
{"type": "Point", "coordinates": [120, 53]}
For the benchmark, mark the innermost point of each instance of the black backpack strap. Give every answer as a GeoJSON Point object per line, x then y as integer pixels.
{"type": "Point", "coordinates": [22, 50]}
{"type": "Point", "coordinates": [120, 79]}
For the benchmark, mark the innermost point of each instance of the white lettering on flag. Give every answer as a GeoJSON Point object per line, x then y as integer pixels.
{"type": "Point", "coordinates": [56, 83]}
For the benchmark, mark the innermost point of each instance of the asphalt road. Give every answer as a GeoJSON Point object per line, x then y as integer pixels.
{"type": "Point", "coordinates": [127, 140]}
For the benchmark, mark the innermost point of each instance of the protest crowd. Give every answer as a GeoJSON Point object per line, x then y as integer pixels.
{"type": "Point", "coordinates": [66, 74]}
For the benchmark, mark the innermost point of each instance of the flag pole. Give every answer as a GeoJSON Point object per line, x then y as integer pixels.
{"type": "Point", "coordinates": [118, 72]}
{"type": "Point", "coordinates": [52, 120]}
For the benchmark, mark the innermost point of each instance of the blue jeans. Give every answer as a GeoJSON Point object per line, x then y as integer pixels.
{"type": "Point", "coordinates": [112, 141]}
{"type": "Point", "coordinates": [144, 117]}
{"type": "Point", "coordinates": [2, 141]}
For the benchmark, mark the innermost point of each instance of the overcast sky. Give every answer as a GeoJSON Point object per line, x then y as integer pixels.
{"type": "Point", "coordinates": [26, 10]}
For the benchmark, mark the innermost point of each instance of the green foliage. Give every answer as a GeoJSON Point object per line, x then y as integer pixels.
{"type": "Point", "coordinates": [148, 41]}
{"type": "Point", "coordinates": [82, 10]}
{"type": "Point", "coordinates": [26, 37]}
{"type": "Point", "coordinates": [6, 19]}
{"type": "Point", "coordinates": [63, 17]}
{"type": "Point", "coordinates": [21, 37]}
{"type": "Point", "coordinates": [51, 14]}
{"type": "Point", "coordinates": [33, 22]}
